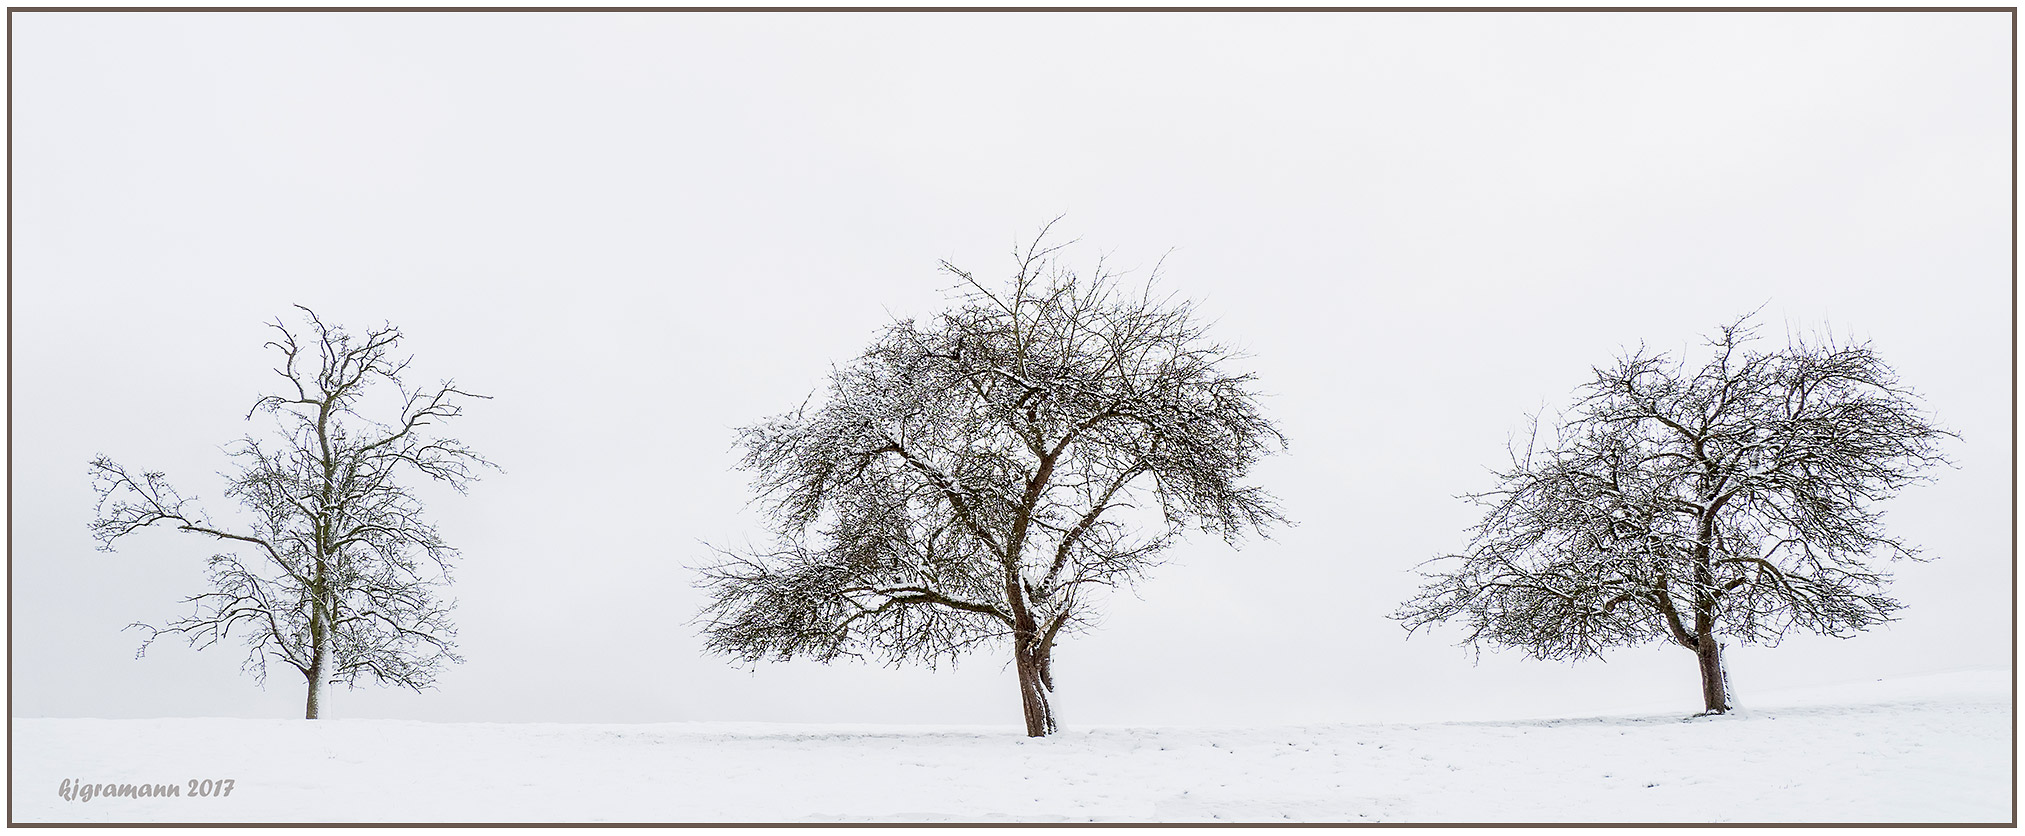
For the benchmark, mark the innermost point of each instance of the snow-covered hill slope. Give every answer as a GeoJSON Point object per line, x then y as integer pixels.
{"type": "Point", "coordinates": [1930, 749]}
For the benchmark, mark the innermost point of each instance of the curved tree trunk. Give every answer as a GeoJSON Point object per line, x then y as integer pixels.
{"type": "Point", "coordinates": [1035, 683]}
{"type": "Point", "coordinates": [1708, 651]}
{"type": "Point", "coordinates": [1715, 686]}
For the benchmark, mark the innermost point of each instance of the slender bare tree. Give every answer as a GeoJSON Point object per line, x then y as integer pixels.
{"type": "Point", "coordinates": [971, 480]}
{"type": "Point", "coordinates": [1734, 500]}
{"type": "Point", "coordinates": [336, 572]}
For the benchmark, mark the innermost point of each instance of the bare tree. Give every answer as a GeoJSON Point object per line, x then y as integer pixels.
{"type": "Point", "coordinates": [970, 480]}
{"type": "Point", "coordinates": [1735, 500]}
{"type": "Point", "coordinates": [336, 573]}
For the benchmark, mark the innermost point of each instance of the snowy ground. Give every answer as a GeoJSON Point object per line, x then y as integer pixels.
{"type": "Point", "coordinates": [1931, 749]}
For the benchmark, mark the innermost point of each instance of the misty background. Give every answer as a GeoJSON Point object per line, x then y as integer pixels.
{"type": "Point", "coordinates": [640, 231]}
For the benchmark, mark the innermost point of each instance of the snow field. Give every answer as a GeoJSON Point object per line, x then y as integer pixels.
{"type": "Point", "coordinates": [1932, 749]}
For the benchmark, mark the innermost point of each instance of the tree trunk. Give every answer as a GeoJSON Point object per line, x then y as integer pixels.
{"type": "Point", "coordinates": [315, 676]}
{"type": "Point", "coordinates": [1715, 686]}
{"type": "Point", "coordinates": [319, 652]}
{"type": "Point", "coordinates": [1708, 651]}
{"type": "Point", "coordinates": [1034, 687]}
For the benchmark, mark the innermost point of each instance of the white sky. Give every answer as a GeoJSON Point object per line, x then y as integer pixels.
{"type": "Point", "coordinates": [641, 231]}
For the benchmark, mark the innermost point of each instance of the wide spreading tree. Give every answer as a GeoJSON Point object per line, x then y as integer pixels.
{"type": "Point", "coordinates": [972, 480]}
{"type": "Point", "coordinates": [1688, 505]}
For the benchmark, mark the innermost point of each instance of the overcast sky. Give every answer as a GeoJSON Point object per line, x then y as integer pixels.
{"type": "Point", "coordinates": [638, 232]}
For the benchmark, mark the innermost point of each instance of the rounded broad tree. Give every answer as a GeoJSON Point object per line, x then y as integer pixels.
{"type": "Point", "coordinates": [1735, 500]}
{"type": "Point", "coordinates": [972, 480]}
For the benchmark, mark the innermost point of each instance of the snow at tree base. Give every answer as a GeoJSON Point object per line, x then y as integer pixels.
{"type": "Point", "coordinates": [1935, 749]}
